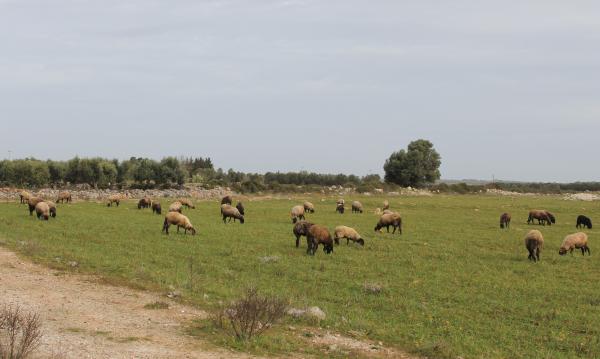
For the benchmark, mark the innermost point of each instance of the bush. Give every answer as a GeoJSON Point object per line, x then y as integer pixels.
{"type": "Point", "coordinates": [20, 333]}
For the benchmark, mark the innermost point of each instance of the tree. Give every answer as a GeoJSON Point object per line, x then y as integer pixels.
{"type": "Point", "coordinates": [416, 166]}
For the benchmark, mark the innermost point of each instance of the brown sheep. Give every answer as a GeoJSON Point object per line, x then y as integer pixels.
{"type": "Point", "coordinates": [301, 229]}
{"type": "Point", "coordinates": [32, 202]}
{"type": "Point", "coordinates": [240, 208]}
{"type": "Point", "coordinates": [297, 213]}
{"type": "Point", "coordinates": [175, 207]}
{"type": "Point", "coordinates": [42, 210]}
{"type": "Point", "coordinates": [505, 220]}
{"type": "Point", "coordinates": [52, 207]}
{"type": "Point", "coordinates": [357, 207]}
{"type": "Point", "coordinates": [64, 196]}
{"type": "Point", "coordinates": [534, 242]}
{"type": "Point", "coordinates": [542, 217]}
{"type": "Point", "coordinates": [24, 196]}
{"type": "Point", "coordinates": [115, 198]}
{"type": "Point", "coordinates": [227, 200]}
{"type": "Point", "coordinates": [179, 220]}
{"type": "Point", "coordinates": [231, 212]}
{"type": "Point", "coordinates": [309, 207]}
{"type": "Point", "coordinates": [575, 241]}
{"type": "Point", "coordinates": [349, 233]}
{"type": "Point", "coordinates": [389, 219]}
{"type": "Point", "coordinates": [144, 203]}
{"type": "Point", "coordinates": [156, 208]}
{"type": "Point", "coordinates": [386, 205]}
{"type": "Point", "coordinates": [186, 202]}
{"type": "Point", "coordinates": [318, 234]}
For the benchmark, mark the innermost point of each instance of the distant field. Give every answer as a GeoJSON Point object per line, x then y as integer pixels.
{"type": "Point", "coordinates": [454, 283]}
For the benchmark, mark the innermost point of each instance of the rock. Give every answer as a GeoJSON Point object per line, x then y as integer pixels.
{"type": "Point", "coordinates": [296, 313]}
{"type": "Point", "coordinates": [315, 312]}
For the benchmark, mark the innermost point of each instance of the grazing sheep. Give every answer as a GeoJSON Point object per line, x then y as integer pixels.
{"type": "Point", "coordinates": [297, 213]}
{"type": "Point", "coordinates": [52, 207]}
{"type": "Point", "coordinates": [357, 207]}
{"type": "Point", "coordinates": [551, 216]}
{"type": "Point", "coordinates": [24, 196]}
{"type": "Point", "coordinates": [309, 207]}
{"type": "Point", "coordinates": [301, 229]}
{"type": "Point", "coordinates": [240, 208]}
{"type": "Point", "coordinates": [175, 207]}
{"type": "Point", "coordinates": [386, 205]}
{"type": "Point", "coordinates": [387, 211]}
{"type": "Point", "coordinates": [115, 198]}
{"type": "Point", "coordinates": [231, 212]}
{"type": "Point", "coordinates": [340, 201]}
{"type": "Point", "coordinates": [64, 196]}
{"type": "Point", "coordinates": [583, 221]}
{"type": "Point", "coordinates": [187, 203]}
{"type": "Point", "coordinates": [32, 202]}
{"type": "Point", "coordinates": [318, 234]}
{"type": "Point", "coordinates": [179, 220]}
{"type": "Point", "coordinates": [349, 233]}
{"type": "Point", "coordinates": [156, 208]}
{"type": "Point", "coordinates": [42, 210]}
{"type": "Point", "coordinates": [575, 241]}
{"type": "Point", "coordinates": [227, 200]}
{"type": "Point", "coordinates": [505, 220]}
{"type": "Point", "coordinates": [541, 216]}
{"type": "Point", "coordinates": [534, 241]}
{"type": "Point", "coordinates": [144, 203]}
{"type": "Point", "coordinates": [389, 219]}
{"type": "Point", "coordinates": [339, 208]}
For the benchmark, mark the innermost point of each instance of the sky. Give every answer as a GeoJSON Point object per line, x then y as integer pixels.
{"type": "Point", "coordinates": [509, 89]}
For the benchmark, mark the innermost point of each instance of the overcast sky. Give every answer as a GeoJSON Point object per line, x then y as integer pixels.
{"type": "Point", "coordinates": [510, 88]}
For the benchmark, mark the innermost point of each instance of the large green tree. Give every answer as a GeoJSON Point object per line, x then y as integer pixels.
{"type": "Point", "coordinates": [416, 166]}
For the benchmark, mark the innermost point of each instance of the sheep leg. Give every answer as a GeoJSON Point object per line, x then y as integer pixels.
{"type": "Point", "coordinates": [177, 228]}
{"type": "Point", "coordinates": [583, 251]}
{"type": "Point", "coordinates": [538, 253]}
{"type": "Point", "coordinates": [297, 241]}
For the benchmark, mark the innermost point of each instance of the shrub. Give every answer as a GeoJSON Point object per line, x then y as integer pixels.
{"type": "Point", "coordinates": [20, 333]}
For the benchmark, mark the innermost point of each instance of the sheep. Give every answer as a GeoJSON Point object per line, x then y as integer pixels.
{"type": "Point", "coordinates": [231, 212]}
{"type": "Point", "coordinates": [583, 221]}
{"type": "Point", "coordinates": [309, 207]}
{"type": "Point", "coordinates": [42, 210]}
{"type": "Point", "coordinates": [175, 207]}
{"type": "Point", "coordinates": [387, 211]}
{"type": "Point", "coordinates": [386, 205]}
{"type": "Point", "coordinates": [534, 242]}
{"type": "Point", "coordinates": [24, 196]}
{"type": "Point", "coordinates": [387, 220]}
{"type": "Point", "coordinates": [156, 208]}
{"type": "Point", "coordinates": [339, 208]}
{"type": "Point", "coordinates": [115, 198]}
{"type": "Point", "coordinates": [187, 203]}
{"type": "Point", "coordinates": [227, 200]}
{"type": "Point", "coordinates": [505, 220]}
{"type": "Point", "coordinates": [318, 234]}
{"type": "Point", "coordinates": [341, 201]}
{"type": "Point", "coordinates": [32, 202]}
{"type": "Point", "coordinates": [301, 229]}
{"type": "Point", "coordinates": [541, 216]}
{"type": "Point", "coordinates": [297, 213]}
{"type": "Point", "coordinates": [144, 203]}
{"type": "Point", "coordinates": [179, 220]}
{"type": "Point", "coordinates": [357, 207]}
{"type": "Point", "coordinates": [551, 216]}
{"type": "Point", "coordinates": [240, 208]}
{"type": "Point", "coordinates": [349, 233]}
{"type": "Point", "coordinates": [52, 207]}
{"type": "Point", "coordinates": [64, 196]}
{"type": "Point", "coordinates": [575, 241]}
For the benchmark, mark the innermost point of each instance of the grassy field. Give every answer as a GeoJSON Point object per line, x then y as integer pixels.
{"type": "Point", "coordinates": [454, 283]}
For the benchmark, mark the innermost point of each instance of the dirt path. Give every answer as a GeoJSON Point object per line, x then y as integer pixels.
{"type": "Point", "coordinates": [84, 319]}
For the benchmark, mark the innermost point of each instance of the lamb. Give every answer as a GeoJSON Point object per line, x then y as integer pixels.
{"type": "Point", "coordinates": [357, 207]}
{"type": "Point", "coordinates": [115, 198]}
{"type": "Point", "coordinates": [24, 196]}
{"type": "Point", "coordinates": [32, 202]}
{"type": "Point", "coordinates": [42, 210]}
{"type": "Point", "coordinates": [64, 196]}
{"type": "Point", "coordinates": [505, 220]}
{"type": "Point", "coordinates": [534, 241]}
{"type": "Point", "coordinates": [240, 208]}
{"type": "Point", "coordinates": [339, 208]}
{"type": "Point", "coordinates": [575, 241]}
{"type": "Point", "coordinates": [318, 234]}
{"type": "Point", "coordinates": [175, 207]}
{"type": "Point", "coordinates": [144, 203]}
{"type": "Point", "coordinates": [227, 200]}
{"type": "Point", "coordinates": [309, 207]}
{"type": "Point", "coordinates": [179, 220]}
{"type": "Point", "coordinates": [297, 213]}
{"type": "Point", "coordinates": [187, 203]}
{"type": "Point", "coordinates": [156, 208]}
{"type": "Point", "coordinates": [231, 212]}
{"type": "Point", "coordinates": [386, 205]}
{"type": "Point", "coordinates": [301, 229]}
{"type": "Point", "coordinates": [389, 219]}
{"type": "Point", "coordinates": [583, 221]}
{"type": "Point", "coordinates": [349, 233]}
{"type": "Point", "coordinates": [52, 207]}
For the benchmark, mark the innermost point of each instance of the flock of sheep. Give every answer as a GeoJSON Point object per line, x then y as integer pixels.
{"type": "Point", "coordinates": [317, 234]}
{"type": "Point", "coordinates": [534, 240]}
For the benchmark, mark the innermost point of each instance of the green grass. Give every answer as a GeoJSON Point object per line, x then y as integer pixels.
{"type": "Point", "coordinates": [452, 285]}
